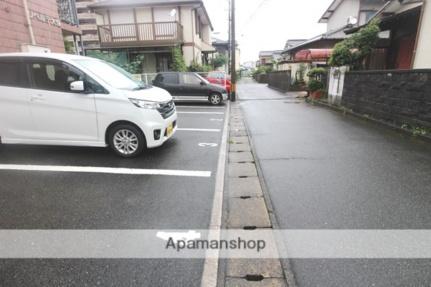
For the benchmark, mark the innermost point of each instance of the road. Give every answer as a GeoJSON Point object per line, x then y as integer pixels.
{"type": "Point", "coordinates": [65, 200]}
{"type": "Point", "coordinates": [327, 171]}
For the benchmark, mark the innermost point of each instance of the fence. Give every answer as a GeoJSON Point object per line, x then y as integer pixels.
{"type": "Point", "coordinates": [279, 80]}
{"type": "Point", "coordinates": [400, 97]}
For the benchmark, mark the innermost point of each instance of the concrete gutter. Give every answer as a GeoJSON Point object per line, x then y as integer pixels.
{"type": "Point", "coordinates": [248, 206]}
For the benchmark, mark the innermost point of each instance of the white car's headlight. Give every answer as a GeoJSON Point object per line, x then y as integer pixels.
{"type": "Point", "coordinates": [145, 104]}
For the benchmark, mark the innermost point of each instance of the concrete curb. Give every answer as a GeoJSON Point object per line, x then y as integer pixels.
{"type": "Point", "coordinates": [247, 206]}
{"type": "Point", "coordinates": [285, 263]}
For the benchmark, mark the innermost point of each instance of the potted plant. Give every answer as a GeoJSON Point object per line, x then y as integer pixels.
{"type": "Point", "coordinates": [316, 84]}
{"type": "Point", "coordinates": [316, 88]}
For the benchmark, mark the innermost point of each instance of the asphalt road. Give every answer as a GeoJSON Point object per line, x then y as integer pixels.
{"type": "Point", "coordinates": [64, 200]}
{"type": "Point", "coordinates": [328, 171]}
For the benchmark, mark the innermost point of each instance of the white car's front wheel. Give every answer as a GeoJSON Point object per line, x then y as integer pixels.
{"type": "Point", "coordinates": [126, 141]}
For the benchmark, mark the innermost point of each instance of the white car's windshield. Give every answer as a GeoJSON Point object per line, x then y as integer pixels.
{"type": "Point", "coordinates": [111, 74]}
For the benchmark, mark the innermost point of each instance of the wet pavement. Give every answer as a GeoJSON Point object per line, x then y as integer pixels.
{"type": "Point", "coordinates": [67, 200]}
{"type": "Point", "coordinates": [324, 170]}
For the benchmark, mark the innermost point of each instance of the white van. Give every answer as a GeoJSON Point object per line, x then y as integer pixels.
{"type": "Point", "coordinates": [59, 99]}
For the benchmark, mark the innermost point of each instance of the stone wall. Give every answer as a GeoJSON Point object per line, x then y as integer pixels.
{"type": "Point", "coordinates": [399, 97]}
{"type": "Point", "coordinates": [279, 80]}
{"type": "Point", "coordinates": [262, 78]}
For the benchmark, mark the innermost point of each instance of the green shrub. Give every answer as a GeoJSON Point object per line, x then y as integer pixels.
{"type": "Point", "coordinates": [261, 70]}
{"type": "Point", "coordinates": [178, 63]}
{"type": "Point", "coordinates": [135, 66]}
{"type": "Point", "coordinates": [352, 51]}
{"type": "Point", "coordinates": [315, 85]}
{"type": "Point", "coordinates": [219, 61]}
{"type": "Point", "coordinates": [196, 67]}
{"type": "Point", "coordinates": [317, 72]}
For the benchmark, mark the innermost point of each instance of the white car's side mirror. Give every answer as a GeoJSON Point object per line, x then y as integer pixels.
{"type": "Point", "coordinates": [77, 86]}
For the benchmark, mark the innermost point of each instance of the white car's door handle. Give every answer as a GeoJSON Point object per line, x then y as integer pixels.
{"type": "Point", "coordinates": [37, 97]}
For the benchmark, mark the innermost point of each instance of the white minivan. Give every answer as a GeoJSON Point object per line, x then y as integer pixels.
{"type": "Point", "coordinates": [59, 99]}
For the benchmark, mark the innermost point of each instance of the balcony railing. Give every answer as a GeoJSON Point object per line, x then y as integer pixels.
{"type": "Point", "coordinates": [67, 12]}
{"type": "Point", "coordinates": [140, 34]}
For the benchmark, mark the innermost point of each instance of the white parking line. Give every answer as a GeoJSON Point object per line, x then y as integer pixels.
{"type": "Point", "coordinates": [199, 107]}
{"type": "Point", "coordinates": [211, 265]}
{"type": "Point", "coordinates": [105, 170]}
{"type": "Point", "coordinates": [202, 113]}
{"type": "Point", "coordinates": [200, 130]}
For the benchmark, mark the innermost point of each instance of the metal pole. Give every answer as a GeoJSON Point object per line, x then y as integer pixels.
{"type": "Point", "coordinates": [28, 19]}
{"type": "Point", "coordinates": [233, 53]}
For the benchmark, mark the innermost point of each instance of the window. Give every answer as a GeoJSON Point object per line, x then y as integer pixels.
{"type": "Point", "coordinates": [13, 74]}
{"type": "Point", "coordinates": [111, 74]}
{"type": "Point", "coordinates": [170, 79]}
{"type": "Point", "coordinates": [53, 76]}
{"type": "Point", "coordinates": [365, 16]}
{"type": "Point", "coordinates": [191, 79]}
{"type": "Point", "coordinates": [198, 24]}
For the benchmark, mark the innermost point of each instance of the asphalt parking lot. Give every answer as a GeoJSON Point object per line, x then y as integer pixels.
{"type": "Point", "coordinates": [59, 199]}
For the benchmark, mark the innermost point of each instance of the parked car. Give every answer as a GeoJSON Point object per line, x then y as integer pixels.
{"type": "Point", "coordinates": [190, 87]}
{"type": "Point", "coordinates": [59, 99]}
{"type": "Point", "coordinates": [220, 78]}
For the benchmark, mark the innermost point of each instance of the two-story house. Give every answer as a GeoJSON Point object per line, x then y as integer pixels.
{"type": "Point", "coordinates": [152, 28]}
{"type": "Point", "coordinates": [339, 16]}
{"type": "Point", "coordinates": [399, 40]}
{"type": "Point", "coordinates": [269, 58]}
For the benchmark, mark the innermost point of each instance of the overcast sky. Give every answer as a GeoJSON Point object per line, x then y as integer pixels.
{"type": "Point", "coordinates": [267, 24]}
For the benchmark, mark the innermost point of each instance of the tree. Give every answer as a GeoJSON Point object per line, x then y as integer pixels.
{"type": "Point", "coordinates": [219, 61]}
{"type": "Point", "coordinates": [352, 51]}
{"type": "Point", "coordinates": [196, 67]}
{"type": "Point", "coordinates": [178, 63]}
{"type": "Point", "coordinates": [120, 59]}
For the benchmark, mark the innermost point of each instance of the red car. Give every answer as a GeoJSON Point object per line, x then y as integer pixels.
{"type": "Point", "coordinates": [220, 78]}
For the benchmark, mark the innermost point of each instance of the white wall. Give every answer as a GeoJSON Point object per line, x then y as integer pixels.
{"type": "Point", "coordinates": [423, 51]}
{"type": "Point", "coordinates": [188, 52]}
{"type": "Point", "coordinates": [123, 16]}
{"type": "Point", "coordinates": [336, 84]}
{"type": "Point", "coordinates": [163, 14]}
{"type": "Point", "coordinates": [143, 15]}
{"type": "Point", "coordinates": [187, 22]}
{"type": "Point", "coordinates": [339, 17]}
{"type": "Point", "coordinates": [206, 34]}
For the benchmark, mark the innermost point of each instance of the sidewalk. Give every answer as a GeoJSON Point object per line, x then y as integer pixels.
{"type": "Point", "coordinates": [324, 170]}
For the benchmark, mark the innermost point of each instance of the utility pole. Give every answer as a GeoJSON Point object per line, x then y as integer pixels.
{"type": "Point", "coordinates": [229, 40]}
{"type": "Point", "coordinates": [233, 53]}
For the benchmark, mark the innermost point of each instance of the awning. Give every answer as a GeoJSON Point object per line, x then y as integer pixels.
{"type": "Point", "coordinates": [313, 55]}
{"type": "Point", "coordinates": [206, 48]}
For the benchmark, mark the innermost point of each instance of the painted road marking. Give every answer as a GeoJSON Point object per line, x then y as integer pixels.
{"type": "Point", "coordinates": [199, 107]}
{"type": "Point", "coordinates": [105, 170]}
{"type": "Point", "coordinates": [201, 113]}
{"type": "Point", "coordinates": [200, 130]}
{"type": "Point", "coordinates": [208, 145]}
{"type": "Point", "coordinates": [177, 236]}
{"type": "Point", "coordinates": [211, 264]}
{"type": "Point", "coordinates": [216, 120]}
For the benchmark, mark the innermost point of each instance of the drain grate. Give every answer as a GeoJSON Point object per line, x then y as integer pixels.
{"type": "Point", "coordinates": [254, 278]}
{"type": "Point", "coordinates": [245, 197]}
{"type": "Point", "coordinates": [252, 227]}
